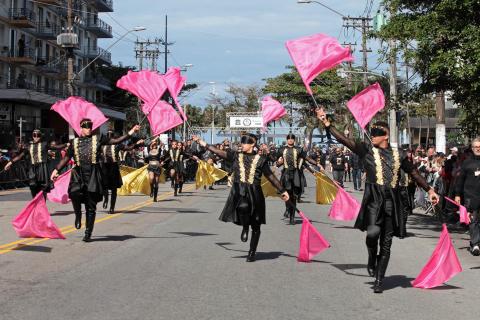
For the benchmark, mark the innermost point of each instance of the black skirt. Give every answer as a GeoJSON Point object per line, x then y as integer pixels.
{"type": "Point", "coordinates": [86, 183]}
{"type": "Point", "coordinates": [253, 194]}
{"type": "Point", "coordinates": [112, 178]}
{"type": "Point", "coordinates": [178, 167]}
{"type": "Point", "coordinates": [157, 170]}
{"type": "Point", "coordinates": [371, 209]}
{"type": "Point", "coordinates": [293, 181]}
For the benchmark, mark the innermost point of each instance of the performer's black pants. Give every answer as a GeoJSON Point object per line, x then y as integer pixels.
{"type": "Point", "coordinates": [474, 228]}
{"type": "Point", "coordinates": [244, 210]}
{"type": "Point", "coordinates": [381, 229]}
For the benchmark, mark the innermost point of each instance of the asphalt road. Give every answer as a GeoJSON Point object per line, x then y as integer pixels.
{"type": "Point", "coordinates": [175, 260]}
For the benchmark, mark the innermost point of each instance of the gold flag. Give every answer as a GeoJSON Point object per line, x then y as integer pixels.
{"type": "Point", "coordinates": [124, 170]}
{"type": "Point", "coordinates": [207, 174]}
{"type": "Point", "coordinates": [326, 189]}
{"type": "Point", "coordinates": [135, 181]}
{"type": "Point", "coordinates": [268, 189]}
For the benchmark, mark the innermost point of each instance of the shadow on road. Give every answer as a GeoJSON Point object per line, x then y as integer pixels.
{"type": "Point", "coordinates": [352, 266]}
{"type": "Point", "coordinates": [29, 248]}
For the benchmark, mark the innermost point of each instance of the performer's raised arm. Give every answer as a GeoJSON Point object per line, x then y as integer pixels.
{"type": "Point", "coordinates": [221, 153]}
{"type": "Point", "coordinates": [135, 128]}
{"type": "Point", "coordinates": [358, 148]}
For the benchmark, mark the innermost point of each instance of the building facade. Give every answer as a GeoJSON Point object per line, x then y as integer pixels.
{"type": "Point", "coordinates": [33, 67]}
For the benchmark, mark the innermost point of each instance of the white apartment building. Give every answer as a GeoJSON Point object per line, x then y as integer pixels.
{"type": "Point", "coordinates": [33, 67]}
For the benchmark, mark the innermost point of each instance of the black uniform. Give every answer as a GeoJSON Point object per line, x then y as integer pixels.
{"type": "Point", "coordinates": [86, 182]}
{"type": "Point", "coordinates": [112, 179]}
{"type": "Point", "coordinates": [381, 213]}
{"type": "Point", "coordinates": [175, 157]}
{"type": "Point", "coordinates": [245, 205]}
{"type": "Point", "coordinates": [292, 179]}
{"type": "Point", "coordinates": [467, 186]}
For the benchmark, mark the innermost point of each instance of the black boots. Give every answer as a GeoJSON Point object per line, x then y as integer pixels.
{"type": "Point", "coordinates": [292, 216]}
{"type": "Point", "coordinates": [151, 190]}
{"type": "Point", "coordinates": [105, 200]}
{"type": "Point", "coordinates": [180, 186]}
{"type": "Point", "coordinates": [372, 261]}
{"type": "Point", "coordinates": [253, 245]}
{"type": "Point", "coordinates": [244, 235]}
{"type": "Point", "coordinates": [90, 222]}
{"type": "Point", "coordinates": [175, 190]}
{"type": "Point", "coordinates": [155, 193]}
{"type": "Point", "coordinates": [113, 201]}
{"type": "Point", "coordinates": [78, 219]}
{"type": "Point", "coordinates": [382, 264]}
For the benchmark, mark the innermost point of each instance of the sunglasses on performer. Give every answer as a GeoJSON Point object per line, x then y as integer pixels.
{"type": "Point", "coordinates": [247, 140]}
{"type": "Point", "coordinates": [378, 132]}
{"type": "Point", "coordinates": [36, 135]}
{"type": "Point", "coordinates": [87, 125]}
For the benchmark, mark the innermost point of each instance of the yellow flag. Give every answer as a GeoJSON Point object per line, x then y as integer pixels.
{"type": "Point", "coordinates": [268, 189]}
{"type": "Point", "coordinates": [207, 174]}
{"type": "Point", "coordinates": [326, 189]}
{"type": "Point", "coordinates": [135, 181]}
{"type": "Point", "coordinates": [124, 170]}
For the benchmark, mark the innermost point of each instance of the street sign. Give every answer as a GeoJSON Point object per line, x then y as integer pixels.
{"type": "Point", "coordinates": [246, 122]}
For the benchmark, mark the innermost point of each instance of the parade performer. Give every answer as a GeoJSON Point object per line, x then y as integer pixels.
{"type": "Point", "coordinates": [175, 157]}
{"type": "Point", "coordinates": [293, 180]}
{"type": "Point", "coordinates": [36, 155]}
{"type": "Point", "coordinates": [245, 205]}
{"type": "Point", "coordinates": [112, 179]}
{"type": "Point", "coordinates": [86, 185]}
{"type": "Point", "coordinates": [154, 167]}
{"type": "Point", "coordinates": [381, 213]}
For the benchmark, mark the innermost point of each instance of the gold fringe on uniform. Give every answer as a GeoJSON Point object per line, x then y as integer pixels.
{"type": "Point", "coordinates": [326, 189]}
{"type": "Point", "coordinates": [207, 174]}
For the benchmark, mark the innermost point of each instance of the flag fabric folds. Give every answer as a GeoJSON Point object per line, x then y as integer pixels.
{"type": "Point", "coordinates": [326, 189]}
{"type": "Point", "coordinates": [272, 110]}
{"type": "Point", "coordinates": [207, 174]}
{"type": "Point", "coordinates": [175, 82]}
{"type": "Point", "coordinates": [59, 193]}
{"type": "Point", "coordinates": [137, 181]}
{"type": "Point", "coordinates": [74, 109]}
{"type": "Point", "coordinates": [311, 241]}
{"type": "Point", "coordinates": [34, 221]}
{"type": "Point", "coordinates": [464, 216]}
{"type": "Point", "coordinates": [162, 117]}
{"type": "Point", "coordinates": [344, 207]}
{"type": "Point", "coordinates": [442, 265]}
{"type": "Point", "coordinates": [365, 105]}
{"type": "Point", "coordinates": [148, 85]}
{"type": "Point", "coordinates": [315, 54]}
{"type": "Point", "coordinates": [268, 189]}
{"type": "Point", "coordinates": [124, 170]}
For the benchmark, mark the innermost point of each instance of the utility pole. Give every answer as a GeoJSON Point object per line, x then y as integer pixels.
{"type": "Point", "coordinates": [20, 126]}
{"type": "Point", "coordinates": [393, 93]}
{"type": "Point", "coordinates": [349, 63]}
{"type": "Point", "coordinates": [362, 23]}
{"type": "Point", "coordinates": [440, 127]}
{"type": "Point", "coordinates": [70, 73]}
{"type": "Point", "coordinates": [148, 50]}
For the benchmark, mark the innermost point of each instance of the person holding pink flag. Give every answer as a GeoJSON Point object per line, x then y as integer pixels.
{"type": "Point", "coordinates": [381, 213]}
{"type": "Point", "coordinates": [86, 182]}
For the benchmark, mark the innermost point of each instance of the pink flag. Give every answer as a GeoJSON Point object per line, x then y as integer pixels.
{"type": "Point", "coordinates": [59, 194]}
{"type": "Point", "coordinates": [74, 109]}
{"type": "Point", "coordinates": [162, 117]}
{"type": "Point", "coordinates": [366, 104]}
{"type": "Point", "coordinates": [315, 54]}
{"type": "Point", "coordinates": [442, 266]}
{"type": "Point", "coordinates": [464, 216]}
{"type": "Point", "coordinates": [175, 83]}
{"type": "Point", "coordinates": [311, 241]}
{"type": "Point", "coordinates": [272, 110]}
{"type": "Point", "coordinates": [34, 221]}
{"type": "Point", "coordinates": [148, 85]}
{"type": "Point", "coordinates": [344, 207]}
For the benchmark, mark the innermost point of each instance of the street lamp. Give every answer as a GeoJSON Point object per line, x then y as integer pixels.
{"type": "Point", "coordinates": [184, 68]}
{"type": "Point", "coordinates": [214, 93]}
{"type": "Point", "coordinates": [341, 72]}
{"type": "Point", "coordinates": [135, 29]}
{"type": "Point", "coordinates": [323, 5]}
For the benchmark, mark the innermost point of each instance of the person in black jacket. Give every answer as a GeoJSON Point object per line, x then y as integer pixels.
{"type": "Point", "coordinates": [467, 191]}
{"type": "Point", "coordinates": [338, 166]}
{"type": "Point", "coordinates": [381, 213]}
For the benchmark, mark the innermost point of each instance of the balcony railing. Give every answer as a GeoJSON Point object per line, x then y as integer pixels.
{"type": "Point", "coordinates": [22, 17]}
{"type": "Point", "coordinates": [47, 30]}
{"type": "Point", "coordinates": [21, 84]}
{"type": "Point", "coordinates": [104, 5]}
{"type": "Point", "coordinates": [20, 55]}
{"type": "Point", "coordinates": [50, 65]}
{"type": "Point", "coordinates": [104, 55]}
{"type": "Point", "coordinates": [99, 27]}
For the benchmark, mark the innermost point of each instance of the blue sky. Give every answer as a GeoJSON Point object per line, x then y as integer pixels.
{"type": "Point", "coordinates": [228, 41]}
